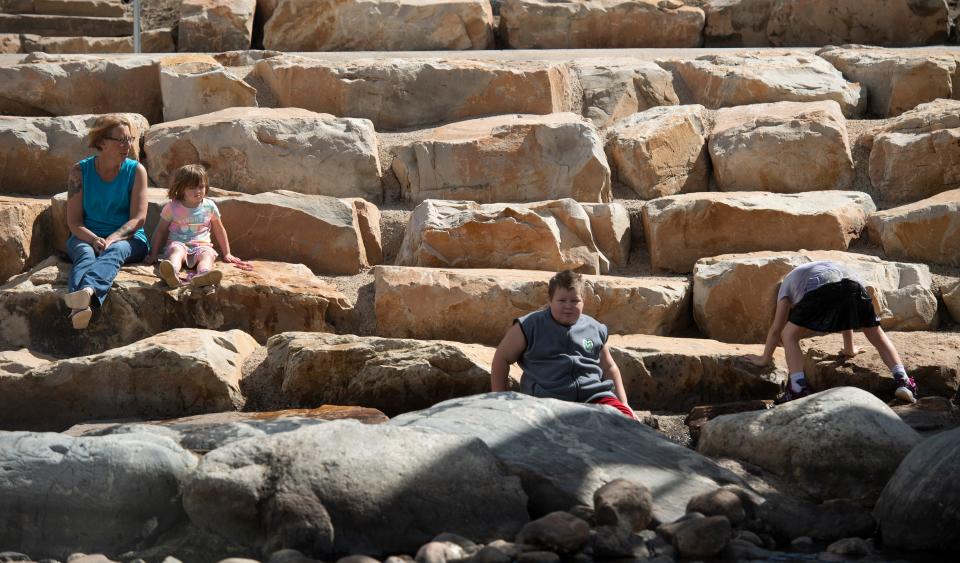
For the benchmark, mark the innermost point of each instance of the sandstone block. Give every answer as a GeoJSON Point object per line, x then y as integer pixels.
{"type": "Point", "coordinates": [215, 25]}
{"type": "Point", "coordinates": [599, 24]}
{"type": "Point", "coordinates": [917, 155]}
{"type": "Point", "coordinates": [61, 25]}
{"type": "Point", "coordinates": [37, 153]}
{"type": "Point", "coordinates": [10, 44]}
{"type": "Point", "coordinates": [681, 229]}
{"type": "Point", "coordinates": [717, 81]}
{"type": "Point", "coordinates": [24, 234]}
{"type": "Point", "coordinates": [255, 150]}
{"type": "Point", "coordinates": [398, 94]}
{"type": "Point", "coordinates": [202, 85]}
{"type": "Point", "coordinates": [864, 445]}
{"type": "Point", "coordinates": [927, 230]}
{"type": "Point", "coordinates": [784, 147]}
{"type": "Point", "coordinates": [661, 151]}
{"type": "Point", "coordinates": [506, 158]}
{"type": "Point", "coordinates": [610, 223]}
{"type": "Point", "coordinates": [480, 305]}
{"type": "Point", "coordinates": [177, 373]}
{"type": "Point", "coordinates": [151, 41]}
{"type": "Point", "coordinates": [734, 295]}
{"type": "Point", "coordinates": [93, 8]}
{"type": "Point", "coordinates": [21, 361]}
{"type": "Point", "coordinates": [951, 297]}
{"type": "Point", "coordinates": [736, 23]}
{"type": "Point", "coordinates": [369, 25]}
{"type": "Point", "coordinates": [615, 88]}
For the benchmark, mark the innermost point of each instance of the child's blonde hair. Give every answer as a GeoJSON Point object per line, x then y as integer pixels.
{"type": "Point", "coordinates": [186, 177]}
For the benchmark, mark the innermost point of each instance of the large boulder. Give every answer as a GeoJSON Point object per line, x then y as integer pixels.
{"type": "Point", "coordinates": [480, 305]}
{"type": "Point", "coordinates": [681, 229]}
{"type": "Point", "coordinates": [917, 155]}
{"type": "Point", "coordinates": [255, 150]}
{"type": "Point", "coordinates": [931, 358]}
{"type": "Point", "coordinates": [177, 373]}
{"type": "Point", "coordinates": [784, 147]}
{"type": "Point", "coordinates": [327, 489]}
{"type": "Point", "coordinates": [723, 80]}
{"type": "Point", "coordinates": [370, 25]}
{"type": "Point", "coordinates": [151, 41]}
{"type": "Point", "coordinates": [927, 230]}
{"type": "Point", "coordinates": [37, 153]}
{"type": "Point", "coordinates": [615, 88]}
{"type": "Point", "coordinates": [550, 235]}
{"type": "Point", "coordinates": [24, 234]}
{"type": "Point", "coordinates": [841, 443]}
{"type": "Point", "coordinates": [506, 158]}
{"type": "Point", "coordinates": [735, 295]}
{"type": "Point", "coordinates": [403, 93]}
{"type": "Point", "coordinates": [661, 151]}
{"type": "Point", "coordinates": [76, 84]}
{"type": "Point", "coordinates": [542, 441]}
{"type": "Point", "coordinates": [736, 23]}
{"type": "Point", "coordinates": [918, 508]}
{"type": "Point", "coordinates": [212, 26]}
{"type": "Point", "coordinates": [272, 298]}
{"type": "Point", "coordinates": [677, 374]}
{"type": "Point", "coordinates": [304, 369]}
{"type": "Point", "coordinates": [197, 85]}
{"type": "Point", "coordinates": [893, 23]}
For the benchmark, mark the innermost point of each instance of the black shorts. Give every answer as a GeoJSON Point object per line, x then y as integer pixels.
{"type": "Point", "coordinates": [834, 307]}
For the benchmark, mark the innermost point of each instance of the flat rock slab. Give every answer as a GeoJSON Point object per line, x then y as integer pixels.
{"type": "Point", "coordinates": [508, 158]}
{"type": "Point", "coordinates": [917, 155]}
{"type": "Point", "coordinates": [736, 23]}
{"type": "Point", "coordinates": [677, 374]}
{"type": "Point", "coordinates": [599, 24]}
{"type": "Point", "coordinates": [60, 25]}
{"type": "Point", "coordinates": [151, 41]}
{"type": "Point", "coordinates": [213, 26]}
{"type": "Point", "coordinates": [404, 93]}
{"type": "Point", "coordinates": [37, 153]}
{"type": "Point", "coordinates": [318, 489]}
{"type": "Point", "coordinates": [24, 233]}
{"type": "Point", "coordinates": [784, 147]}
{"type": "Point", "coordinates": [841, 443]}
{"type": "Point", "coordinates": [198, 85]}
{"type": "Point", "coordinates": [480, 305]}
{"type": "Point", "coordinates": [180, 372]}
{"type": "Point", "coordinates": [717, 81]}
{"type": "Point", "coordinates": [563, 452]}
{"type": "Point", "coordinates": [735, 295]}
{"type": "Point", "coordinates": [303, 369]}
{"type": "Point", "coordinates": [369, 25]}
{"type": "Point", "coordinates": [927, 230]}
{"type": "Point", "coordinates": [681, 229]}
{"type": "Point", "coordinates": [931, 358]}
{"type": "Point", "coordinates": [551, 235]}
{"type": "Point", "coordinates": [617, 87]}
{"type": "Point", "coordinates": [272, 298]}
{"type": "Point", "coordinates": [93, 8]}
{"type": "Point", "coordinates": [255, 150]}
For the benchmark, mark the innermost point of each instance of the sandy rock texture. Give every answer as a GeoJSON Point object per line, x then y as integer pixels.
{"type": "Point", "coordinates": [927, 230]}
{"type": "Point", "coordinates": [24, 233]}
{"type": "Point", "coordinates": [197, 85]}
{"type": "Point", "coordinates": [211, 26]}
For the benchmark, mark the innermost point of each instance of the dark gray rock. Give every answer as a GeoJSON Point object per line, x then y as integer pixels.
{"type": "Point", "coordinates": [558, 531]}
{"type": "Point", "coordinates": [704, 537]}
{"type": "Point", "coordinates": [851, 547]}
{"type": "Point", "coordinates": [616, 541]}
{"type": "Point", "coordinates": [720, 502]}
{"type": "Point", "coordinates": [623, 503]}
{"type": "Point", "coordinates": [826, 522]}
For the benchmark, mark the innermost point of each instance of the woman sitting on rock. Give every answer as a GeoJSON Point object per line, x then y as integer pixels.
{"type": "Point", "coordinates": [106, 209]}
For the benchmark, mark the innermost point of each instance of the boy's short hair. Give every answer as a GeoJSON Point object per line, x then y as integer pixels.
{"type": "Point", "coordinates": [186, 177]}
{"type": "Point", "coordinates": [567, 279]}
{"type": "Point", "coordinates": [101, 128]}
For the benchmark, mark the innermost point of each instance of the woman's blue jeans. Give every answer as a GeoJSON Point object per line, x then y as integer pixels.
{"type": "Point", "coordinates": [98, 272]}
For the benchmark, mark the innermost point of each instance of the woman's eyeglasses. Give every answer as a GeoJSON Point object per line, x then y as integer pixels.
{"type": "Point", "coordinates": [122, 140]}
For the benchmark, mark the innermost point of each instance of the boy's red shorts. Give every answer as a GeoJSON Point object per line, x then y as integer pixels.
{"type": "Point", "coordinates": [615, 403]}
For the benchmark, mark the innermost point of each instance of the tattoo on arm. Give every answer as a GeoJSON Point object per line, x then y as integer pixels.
{"type": "Point", "coordinates": [74, 181]}
{"type": "Point", "coordinates": [126, 229]}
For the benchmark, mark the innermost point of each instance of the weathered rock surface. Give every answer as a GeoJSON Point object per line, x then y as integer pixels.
{"type": "Point", "coordinates": [599, 24]}
{"type": "Point", "coordinates": [927, 230]}
{"type": "Point", "coordinates": [917, 155]}
{"type": "Point", "coordinates": [768, 147]}
{"type": "Point", "coordinates": [21, 361]}
{"type": "Point", "coordinates": [318, 490]}
{"type": "Point", "coordinates": [403, 93]}
{"type": "Point", "coordinates": [624, 504]}
{"type": "Point", "coordinates": [509, 158]}
{"type": "Point", "coordinates": [37, 153]}
{"type": "Point", "coordinates": [272, 298]}
{"type": "Point", "coordinates": [541, 441]}
{"type": "Point", "coordinates": [676, 374]}
{"type": "Point", "coordinates": [551, 235]}
{"type": "Point", "coordinates": [176, 373]}
{"type": "Point", "coordinates": [717, 81]}
{"type": "Point", "coordinates": [480, 305]}
{"type": "Point", "coordinates": [615, 88]}
{"type": "Point", "coordinates": [215, 25]}
{"type": "Point", "coordinates": [931, 358]}
{"type": "Point", "coordinates": [368, 25]}
{"type": "Point", "coordinates": [736, 23]}
{"type": "Point", "coordinates": [734, 295]}
{"type": "Point", "coordinates": [681, 229]}
{"type": "Point", "coordinates": [10, 43]}
{"type": "Point", "coordinates": [951, 297]}
{"type": "Point", "coordinates": [198, 85]}
{"type": "Point", "coordinates": [255, 150]}
{"type": "Point", "coordinates": [62, 495]}
{"type": "Point", "coordinates": [56, 24]}
{"type": "Point", "coordinates": [610, 223]}
{"type": "Point", "coordinates": [151, 41]}
{"type": "Point", "coordinates": [705, 537]}
{"type": "Point", "coordinates": [924, 489]}
{"type": "Point", "coordinates": [24, 234]}
{"type": "Point", "coordinates": [854, 459]}
{"type": "Point", "coordinates": [790, 517]}
{"type": "Point", "coordinates": [661, 151]}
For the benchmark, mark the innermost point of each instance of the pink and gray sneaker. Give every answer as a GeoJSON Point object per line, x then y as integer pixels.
{"type": "Point", "coordinates": [791, 395]}
{"type": "Point", "coordinates": [906, 390]}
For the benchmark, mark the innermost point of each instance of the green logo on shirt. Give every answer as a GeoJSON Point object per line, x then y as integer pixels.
{"type": "Point", "coordinates": [587, 344]}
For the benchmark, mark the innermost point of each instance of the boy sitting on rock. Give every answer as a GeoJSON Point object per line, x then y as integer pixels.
{"type": "Point", "coordinates": [562, 352]}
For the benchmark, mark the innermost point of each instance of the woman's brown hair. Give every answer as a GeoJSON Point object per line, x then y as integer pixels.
{"type": "Point", "coordinates": [186, 177]}
{"type": "Point", "coordinates": [101, 128]}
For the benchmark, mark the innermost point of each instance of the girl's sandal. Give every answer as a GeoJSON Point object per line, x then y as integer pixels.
{"type": "Point", "coordinates": [208, 277]}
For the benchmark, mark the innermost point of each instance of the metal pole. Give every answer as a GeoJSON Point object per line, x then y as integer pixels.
{"type": "Point", "coordinates": [136, 26]}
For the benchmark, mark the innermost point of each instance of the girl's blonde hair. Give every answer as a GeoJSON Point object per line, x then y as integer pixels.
{"type": "Point", "coordinates": [186, 177]}
{"type": "Point", "coordinates": [101, 128]}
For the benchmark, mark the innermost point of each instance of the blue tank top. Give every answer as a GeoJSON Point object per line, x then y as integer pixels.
{"type": "Point", "coordinates": [106, 205]}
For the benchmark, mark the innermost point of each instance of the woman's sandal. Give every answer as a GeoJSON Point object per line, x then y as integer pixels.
{"type": "Point", "coordinates": [208, 277]}
{"type": "Point", "coordinates": [80, 318]}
